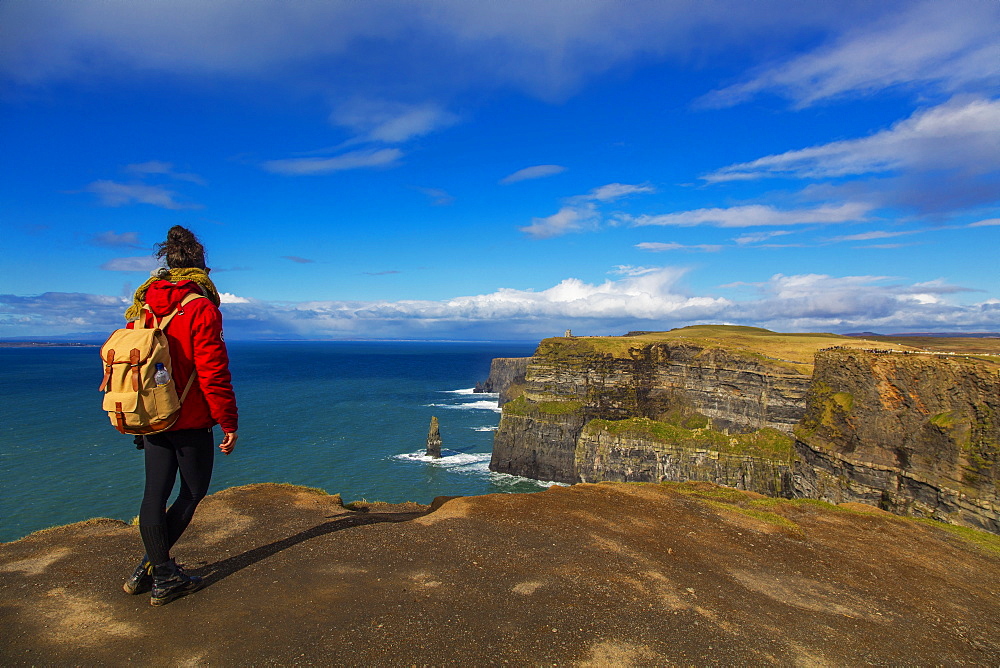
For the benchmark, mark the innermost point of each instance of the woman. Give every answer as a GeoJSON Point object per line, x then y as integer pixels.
{"type": "Point", "coordinates": [196, 346]}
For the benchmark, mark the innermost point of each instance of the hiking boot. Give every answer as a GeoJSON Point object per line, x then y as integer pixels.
{"type": "Point", "coordinates": [170, 582]}
{"type": "Point", "coordinates": [141, 579]}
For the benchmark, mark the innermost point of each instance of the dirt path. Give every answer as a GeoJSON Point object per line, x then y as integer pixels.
{"type": "Point", "coordinates": [609, 574]}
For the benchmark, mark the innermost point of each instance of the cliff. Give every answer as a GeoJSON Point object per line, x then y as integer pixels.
{"type": "Point", "coordinates": [591, 575]}
{"type": "Point", "coordinates": [914, 434]}
{"type": "Point", "coordinates": [506, 377]}
{"type": "Point", "coordinates": [716, 381]}
{"type": "Point", "coordinates": [910, 433]}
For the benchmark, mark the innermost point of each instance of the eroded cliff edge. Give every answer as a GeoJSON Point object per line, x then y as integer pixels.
{"type": "Point", "coordinates": [591, 575]}
{"type": "Point", "coordinates": [913, 434]}
{"type": "Point", "coordinates": [720, 404]}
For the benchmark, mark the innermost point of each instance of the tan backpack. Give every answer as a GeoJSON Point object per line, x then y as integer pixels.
{"type": "Point", "coordinates": [134, 399]}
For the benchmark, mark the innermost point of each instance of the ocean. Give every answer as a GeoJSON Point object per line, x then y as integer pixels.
{"type": "Point", "coordinates": [347, 417]}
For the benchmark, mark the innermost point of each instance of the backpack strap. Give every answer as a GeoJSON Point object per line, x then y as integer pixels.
{"type": "Point", "coordinates": [162, 324]}
{"type": "Point", "coordinates": [190, 384]}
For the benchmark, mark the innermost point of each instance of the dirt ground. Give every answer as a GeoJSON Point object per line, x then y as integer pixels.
{"type": "Point", "coordinates": [590, 575]}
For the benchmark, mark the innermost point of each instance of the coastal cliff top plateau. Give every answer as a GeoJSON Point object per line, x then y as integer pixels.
{"type": "Point", "coordinates": [784, 351]}
{"type": "Point", "coordinates": [594, 574]}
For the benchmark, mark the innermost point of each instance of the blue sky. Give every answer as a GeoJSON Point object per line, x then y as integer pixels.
{"type": "Point", "coordinates": [454, 169]}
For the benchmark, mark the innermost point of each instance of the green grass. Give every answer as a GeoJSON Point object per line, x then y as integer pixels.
{"type": "Point", "coordinates": [944, 420]}
{"type": "Point", "coordinates": [762, 508]}
{"type": "Point", "coordinates": [845, 400]}
{"type": "Point", "coordinates": [982, 539]}
{"type": "Point", "coordinates": [559, 407]}
{"type": "Point", "coordinates": [523, 407]}
{"type": "Point", "coordinates": [790, 352]}
{"type": "Point", "coordinates": [734, 500]}
{"type": "Point", "coordinates": [768, 443]}
{"type": "Point", "coordinates": [774, 519]}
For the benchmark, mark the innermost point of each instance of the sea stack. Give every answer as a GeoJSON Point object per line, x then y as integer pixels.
{"type": "Point", "coordinates": [434, 440]}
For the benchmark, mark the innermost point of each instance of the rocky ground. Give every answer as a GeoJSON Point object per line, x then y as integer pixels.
{"type": "Point", "coordinates": [601, 575]}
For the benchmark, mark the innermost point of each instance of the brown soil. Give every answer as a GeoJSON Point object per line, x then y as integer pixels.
{"type": "Point", "coordinates": [593, 575]}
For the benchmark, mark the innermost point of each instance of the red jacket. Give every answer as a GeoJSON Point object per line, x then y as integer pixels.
{"type": "Point", "coordinates": [195, 337]}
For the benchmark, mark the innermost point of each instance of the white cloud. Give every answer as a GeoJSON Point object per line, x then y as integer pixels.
{"type": "Point", "coordinates": [112, 193]}
{"type": "Point", "coordinates": [150, 167]}
{"type": "Point", "coordinates": [659, 247]}
{"type": "Point", "coordinates": [545, 48]}
{"type": "Point", "coordinates": [568, 219]}
{"type": "Point", "coordinates": [230, 298]}
{"type": "Point", "coordinates": [391, 122]}
{"type": "Point", "coordinates": [643, 298]}
{"type": "Point", "coordinates": [615, 191]}
{"type": "Point", "coordinates": [989, 222]}
{"type": "Point", "coordinates": [112, 239]}
{"type": "Point", "coordinates": [580, 213]}
{"type": "Point", "coordinates": [361, 159]}
{"type": "Point", "coordinates": [946, 46]}
{"type": "Point", "coordinates": [758, 237]}
{"type": "Point", "coordinates": [629, 270]}
{"type": "Point", "coordinates": [438, 197]}
{"type": "Point", "coordinates": [535, 172]}
{"type": "Point", "coordinates": [143, 263]}
{"type": "Point", "coordinates": [957, 135]}
{"type": "Point", "coordinates": [751, 215]}
{"type": "Point", "coordinates": [162, 168]}
{"type": "Point", "coordinates": [868, 236]}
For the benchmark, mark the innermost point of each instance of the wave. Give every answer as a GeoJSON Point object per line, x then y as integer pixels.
{"type": "Point", "coordinates": [508, 480]}
{"type": "Point", "coordinates": [468, 390]}
{"type": "Point", "coordinates": [482, 405]}
{"type": "Point", "coordinates": [449, 459]}
{"type": "Point", "coordinates": [486, 428]}
{"type": "Point", "coordinates": [474, 463]}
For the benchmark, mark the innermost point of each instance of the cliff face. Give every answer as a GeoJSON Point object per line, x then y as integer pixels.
{"type": "Point", "coordinates": [633, 451]}
{"type": "Point", "coordinates": [572, 382]}
{"type": "Point", "coordinates": [913, 434]}
{"type": "Point", "coordinates": [506, 377]}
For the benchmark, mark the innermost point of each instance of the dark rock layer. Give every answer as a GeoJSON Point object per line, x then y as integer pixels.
{"type": "Point", "coordinates": [506, 378]}
{"type": "Point", "coordinates": [568, 385]}
{"type": "Point", "coordinates": [913, 434]}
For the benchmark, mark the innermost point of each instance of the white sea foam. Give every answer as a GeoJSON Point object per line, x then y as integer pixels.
{"type": "Point", "coordinates": [486, 428]}
{"type": "Point", "coordinates": [471, 392]}
{"type": "Point", "coordinates": [472, 463]}
{"type": "Point", "coordinates": [483, 405]}
{"type": "Point", "coordinates": [508, 480]}
{"type": "Point", "coordinates": [455, 461]}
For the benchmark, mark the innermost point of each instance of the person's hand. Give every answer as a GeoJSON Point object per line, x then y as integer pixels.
{"type": "Point", "coordinates": [228, 442]}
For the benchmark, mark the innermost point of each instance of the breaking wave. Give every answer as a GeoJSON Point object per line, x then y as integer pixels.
{"type": "Point", "coordinates": [473, 463]}
{"type": "Point", "coordinates": [482, 405]}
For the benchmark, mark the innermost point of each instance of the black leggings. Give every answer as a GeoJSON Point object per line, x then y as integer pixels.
{"type": "Point", "coordinates": [192, 452]}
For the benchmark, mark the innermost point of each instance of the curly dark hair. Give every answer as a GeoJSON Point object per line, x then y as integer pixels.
{"type": "Point", "coordinates": [182, 249]}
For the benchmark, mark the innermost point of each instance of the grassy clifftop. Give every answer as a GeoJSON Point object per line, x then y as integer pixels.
{"type": "Point", "coordinates": [793, 351]}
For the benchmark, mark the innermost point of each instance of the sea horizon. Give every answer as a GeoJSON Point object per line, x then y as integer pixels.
{"type": "Point", "coordinates": [352, 419]}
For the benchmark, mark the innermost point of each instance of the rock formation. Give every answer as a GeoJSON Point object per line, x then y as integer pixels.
{"type": "Point", "coordinates": [704, 391]}
{"type": "Point", "coordinates": [434, 439]}
{"type": "Point", "coordinates": [911, 433]}
{"type": "Point", "coordinates": [506, 378]}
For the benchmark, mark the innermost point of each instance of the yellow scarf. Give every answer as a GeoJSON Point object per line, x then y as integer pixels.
{"type": "Point", "coordinates": [199, 276]}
